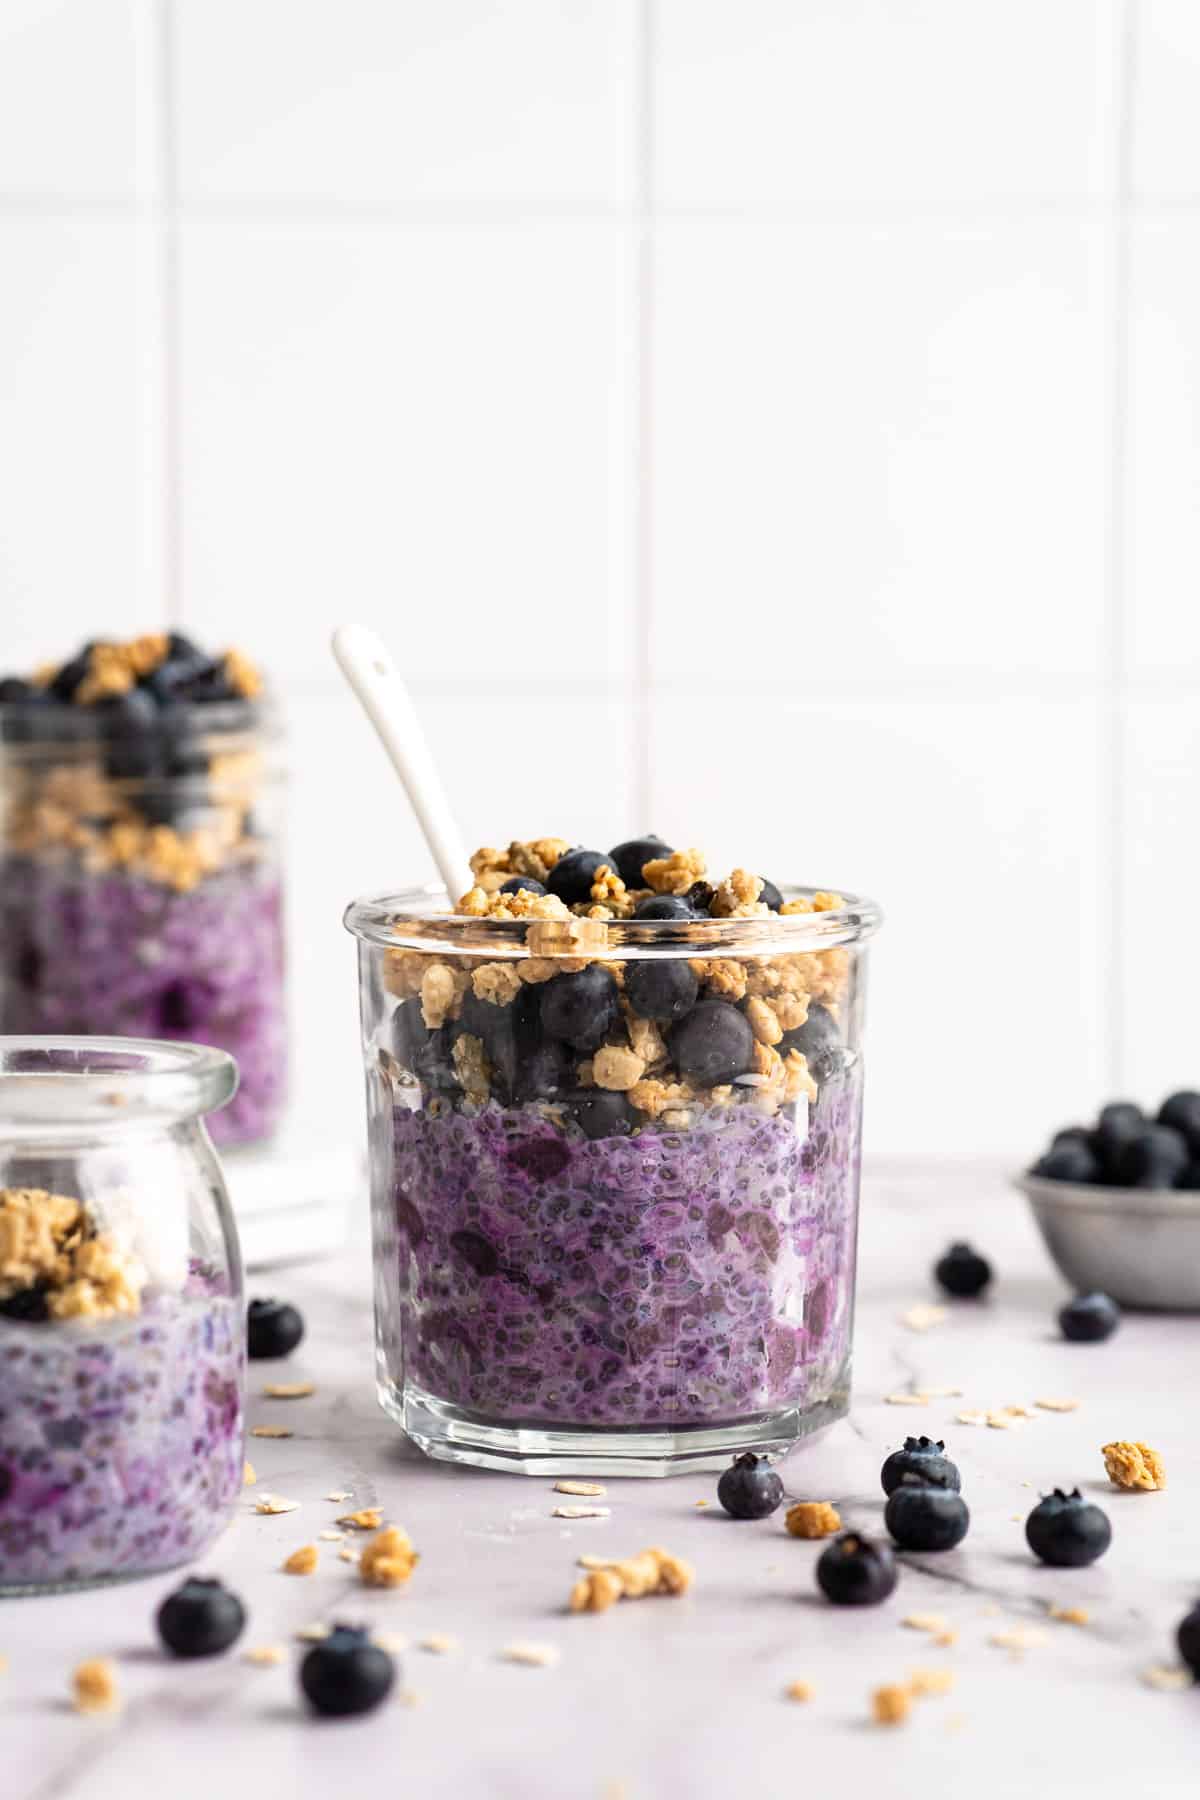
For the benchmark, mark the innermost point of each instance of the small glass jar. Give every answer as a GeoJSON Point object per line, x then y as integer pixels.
{"type": "Point", "coordinates": [141, 893]}
{"type": "Point", "coordinates": [614, 1179]}
{"type": "Point", "coordinates": [122, 1330]}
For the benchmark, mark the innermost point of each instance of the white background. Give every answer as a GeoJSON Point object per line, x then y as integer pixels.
{"type": "Point", "coordinates": [768, 422]}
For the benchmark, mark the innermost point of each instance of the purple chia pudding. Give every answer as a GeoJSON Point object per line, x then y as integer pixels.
{"type": "Point", "coordinates": [121, 1449]}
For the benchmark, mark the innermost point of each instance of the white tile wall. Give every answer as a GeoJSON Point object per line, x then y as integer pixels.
{"type": "Point", "coordinates": [776, 425]}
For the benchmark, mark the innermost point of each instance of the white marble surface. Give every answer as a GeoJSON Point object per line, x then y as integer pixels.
{"type": "Point", "coordinates": [681, 1698]}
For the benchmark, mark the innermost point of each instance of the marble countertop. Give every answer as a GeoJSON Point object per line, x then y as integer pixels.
{"type": "Point", "coordinates": [680, 1698]}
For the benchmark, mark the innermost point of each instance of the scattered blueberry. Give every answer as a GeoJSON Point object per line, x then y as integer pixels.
{"type": "Point", "coordinates": [273, 1328]}
{"type": "Point", "coordinates": [1067, 1530]}
{"type": "Point", "coordinates": [856, 1571]}
{"type": "Point", "coordinates": [201, 1618]}
{"type": "Point", "coordinates": [925, 1458]}
{"type": "Point", "coordinates": [713, 1045]}
{"type": "Point", "coordinates": [1190, 1177]}
{"type": "Point", "coordinates": [631, 857]}
{"type": "Point", "coordinates": [572, 876]}
{"type": "Point", "coordinates": [346, 1674]}
{"type": "Point", "coordinates": [926, 1518]}
{"type": "Point", "coordinates": [663, 989]}
{"type": "Point", "coordinates": [750, 1489]}
{"type": "Point", "coordinates": [770, 895]}
{"type": "Point", "coordinates": [963, 1272]}
{"type": "Point", "coordinates": [581, 1009]}
{"type": "Point", "coordinates": [1117, 1123]}
{"type": "Point", "coordinates": [818, 1041]}
{"type": "Point", "coordinates": [1071, 1159]}
{"type": "Point", "coordinates": [1072, 1134]}
{"type": "Point", "coordinates": [1188, 1639]}
{"type": "Point", "coordinates": [1155, 1158]}
{"type": "Point", "coordinates": [1089, 1318]}
{"type": "Point", "coordinates": [515, 883]}
{"type": "Point", "coordinates": [600, 1113]}
{"type": "Point", "coordinates": [1182, 1112]}
{"type": "Point", "coordinates": [665, 906]}
{"type": "Point", "coordinates": [27, 1306]}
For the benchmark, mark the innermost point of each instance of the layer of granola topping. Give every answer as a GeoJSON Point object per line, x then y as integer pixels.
{"type": "Point", "coordinates": [54, 1264]}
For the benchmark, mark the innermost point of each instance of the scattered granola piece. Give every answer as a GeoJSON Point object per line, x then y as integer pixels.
{"type": "Point", "coordinates": [1063, 1406]}
{"type": "Point", "coordinates": [248, 1476]}
{"type": "Point", "coordinates": [367, 1518]}
{"type": "Point", "coordinates": [409, 1697]}
{"type": "Point", "coordinates": [1070, 1615]}
{"type": "Point", "coordinates": [617, 1069]}
{"type": "Point", "coordinates": [702, 1503]}
{"type": "Point", "coordinates": [271, 1431]}
{"type": "Point", "coordinates": [1134, 1465]}
{"type": "Point", "coordinates": [394, 1642]}
{"type": "Point", "coordinates": [906, 1399]}
{"type": "Point", "coordinates": [340, 1494]}
{"type": "Point", "coordinates": [891, 1705]}
{"type": "Point", "coordinates": [440, 1644]}
{"type": "Point", "coordinates": [674, 874]}
{"type": "Point", "coordinates": [587, 1490]}
{"type": "Point", "coordinates": [275, 1503]}
{"type": "Point", "coordinates": [737, 897]}
{"type": "Point", "coordinates": [95, 1686]}
{"type": "Point", "coordinates": [798, 1690]}
{"type": "Point", "coordinates": [923, 1682]}
{"type": "Point", "coordinates": [349, 1556]}
{"type": "Point", "coordinates": [302, 1561]}
{"type": "Point", "coordinates": [925, 1622]}
{"type": "Point", "coordinates": [1005, 1418]}
{"type": "Point", "coordinates": [596, 1591]}
{"type": "Point", "coordinates": [3, 1665]}
{"type": "Point", "coordinates": [923, 1317]}
{"type": "Point", "coordinates": [313, 1634]}
{"type": "Point", "coordinates": [1020, 1637]}
{"type": "Point", "coordinates": [945, 1639]}
{"type": "Point", "coordinates": [649, 1572]}
{"type": "Point", "coordinates": [532, 1656]}
{"type": "Point", "coordinates": [812, 1519]}
{"type": "Point", "coordinates": [389, 1559]}
{"type": "Point", "coordinates": [265, 1655]}
{"type": "Point", "coordinates": [1170, 1678]}
{"type": "Point", "coordinates": [971, 1416]}
{"type": "Point", "coordinates": [581, 1512]}
{"type": "Point", "coordinates": [289, 1390]}
{"type": "Point", "coordinates": [332, 1537]}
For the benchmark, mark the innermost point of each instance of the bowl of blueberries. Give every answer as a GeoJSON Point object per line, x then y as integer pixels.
{"type": "Point", "coordinates": [1118, 1203]}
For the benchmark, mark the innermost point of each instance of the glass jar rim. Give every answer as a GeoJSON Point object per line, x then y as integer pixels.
{"type": "Point", "coordinates": [411, 920]}
{"type": "Point", "coordinates": [109, 1081]}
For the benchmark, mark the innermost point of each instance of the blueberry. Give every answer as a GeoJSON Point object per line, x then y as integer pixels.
{"type": "Point", "coordinates": [128, 723]}
{"type": "Point", "coordinates": [516, 883]}
{"type": "Point", "coordinates": [856, 1571]}
{"type": "Point", "coordinates": [346, 1674]}
{"type": "Point", "coordinates": [1188, 1639]}
{"type": "Point", "coordinates": [572, 876]}
{"type": "Point", "coordinates": [201, 1618]}
{"type": "Point", "coordinates": [1072, 1134]}
{"type": "Point", "coordinates": [184, 754]}
{"type": "Point", "coordinates": [963, 1272]}
{"type": "Point", "coordinates": [181, 649]}
{"type": "Point", "coordinates": [1182, 1112]}
{"type": "Point", "coordinates": [1072, 1159]}
{"type": "Point", "coordinates": [23, 701]}
{"type": "Point", "coordinates": [713, 1045]}
{"type": "Point", "coordinates": [770, 895]}
{"type": "Point", "coordinates": [72, 675]}
{"type": "Point", "coordinates": [926, 1518]}
{"type": "Point", "coordinates": [204, 683]}
{"type": "Point", "coordinates": [543, 1073]}
{"type": "Point", "coordinates": [925, 1458]}
{"type": "Point", "coordinates": [1155, 1158]}
{"type": "Point", "coordinates": [409, 1031]}
{"type": "Point", "coordinates": [1067, 1530]}
{"type": "Point", "coordinates": [580, 1009]}
{"type": "Point", "coordinates": [184, 1005]}
{"type": "Point", "coordinates": [273, 1328]}
{"type": "Point", "coordinates": [1117, 1123]}
{"type": "Point", "coordinates": [631, 857]}
{"type": "Point", "coordinates": [663, 989]}
{"type": "Point", "coordinates": [1089, 1318]}
{"type": "Point", "coordinates": [477, 1251]}
{"type": "Point", "coordinates": [665, 906]}
{"type": "Point", "coordinates": [750, 1489]}
{"type": "Point", "coordinates": [509, 1034]}
{"type": "Point", "coordinates": [27, 1305]}
{"type": "Point", "coordinates": [599, 1113]}
{"type": "Point", "coordinates": [818, 1041]}
{"type": "Point", "coordinates": [700, 897]}
{"type": "Point", "coordinates": [433, 1064]}
{"type": "Point", "coordinates": [1190, 1177]}
{"type": "Point", "coordinates": [15, 691]}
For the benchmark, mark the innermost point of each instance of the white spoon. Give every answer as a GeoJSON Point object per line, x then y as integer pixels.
{"type": "Point", "coordinates": [367, 666]}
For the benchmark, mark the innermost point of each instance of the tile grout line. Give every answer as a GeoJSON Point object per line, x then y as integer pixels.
{"type": "Point", "coordinates": [642, 219]}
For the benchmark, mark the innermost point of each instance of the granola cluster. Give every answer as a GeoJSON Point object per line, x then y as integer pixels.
{"type": "Point", "coordinates": [1134, 1465]}
{"type": "Point", "coordinates": [650, 1572]}
{"type": "Point", "coordinates": [54, 1265]}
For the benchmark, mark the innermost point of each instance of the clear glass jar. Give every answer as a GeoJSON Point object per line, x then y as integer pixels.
{"type": "Point", "coordinates": [141, 893]}
{"type": "Point", "coordinates": [122, 1330]}
{"type": "Point", "coordinates": [576, 1275]}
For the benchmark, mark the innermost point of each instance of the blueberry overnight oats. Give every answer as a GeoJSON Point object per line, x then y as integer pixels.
{"type": "Point", "coordinates": [120, 1401]}
{"type": "Point", "coordinates": [140, 892]}
{"type": "Point", "coordinates": [615, 1118]}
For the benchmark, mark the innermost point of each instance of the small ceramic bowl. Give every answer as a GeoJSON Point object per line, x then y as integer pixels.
{"type": "Point", "coordinates": [1141, 1245]}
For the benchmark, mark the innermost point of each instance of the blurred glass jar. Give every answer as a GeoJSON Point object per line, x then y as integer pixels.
{"type": "Point", "coordinates": [141, 893]}
{"type": "Point", "coordinates": [122, 1337]}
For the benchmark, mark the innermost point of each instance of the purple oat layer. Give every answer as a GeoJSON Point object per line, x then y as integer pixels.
{"type": "Point", "coordinates": [120, 1440]}
{"type": "Point", "coordinates": [117, 954]}
{"type": "Point", "coordinates": [663, 1279]}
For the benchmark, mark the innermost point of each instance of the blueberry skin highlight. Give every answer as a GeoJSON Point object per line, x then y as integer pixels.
{"type": "Point", "coordinates": [1067, 1531]}
{"type": "Point", "coordinates": [346, 1674]}
{"type": "Point", "coordinates": [713, 1044]}
{"type": "Point", "coordinates": [273, 1329]}
{"type": "Point", "coordinates": [963, 1272]}
{"type": "Point", "coordinates": [750, 1489]}
{"type": "Point", "coordinates": [926, 1459]}
{"type": "Point", "coordinates": [926, 1518]}
{"type": "Point", "coordinates": [1089, 1318]}
{"type": "Point", "coordinates": [580, 1009]}
{"type": "Point", "coordinates": [201, 1618]}
{"type": "Point", "coordinates": [572, 876]}
{"type": "Point", "coordinates": [856, 1571]}
{"type": "Point", "coordinates": [631, 857]}
{"type": "Point", "coordinates": [661, 990]}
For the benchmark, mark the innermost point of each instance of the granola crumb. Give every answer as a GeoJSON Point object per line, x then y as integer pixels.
{"type": "Point", "coordinates": [945, 1639]}
{"type": "Point", "coordinates": [314, 1633]}
{"type": "Point", "coordinates": [906, 1399]}
{"type": "Point", "coordinates": [275, 1503]}
{"type": "Point", "coordinates": [581, 1512]}
{"type": "Point", "coordinates": [649, 1572]}
{"type": "Point", "coordinates": [265, 1655]}
{"type": "Point", "coordinates": [737, 897]}
{"type": "Point", "coordinates": [923, 1317]}
{"type": "Point", "coordinates": [389, 1559]}
{"type": "Point", "coordinates": [674, 874]}
{"type": "Point", "coordinates": [1069, 1615]}
{"type": "Point", "coordinates": [367, 1518]}
{"type": "Point", "coordinates": [394, 1642]}
{"type": "Point", "coordinates": [891, 1705]}
{"type": "Point", "coordinates": [923, 1682]}
{"type": "Point", "coordinates": [440, 1644]}
{"type": "Point", "coordinates": [332, 1537]}
{"type": "Point", "coordinates": [1169, 1678]}
{"type": "Point", "coordinates": [271, 1431]}
{"type": "Point", "coordinates": [596, 1591]}
{"type": "Point", "coordinates": [1133, 1465]}
{"type": "Point", "coordinates": [617, 1068]}
{"type": "Point", "coordinates": [302, 1561]}
{"type": "Point", "coordinates": [95, 1686]}
{"type": "Point", "coordinates": [925, 1622]}
{"type": "Point", "coordinates": [812, 1519]}
{"type": "Point", "coordinates": [1059, 1406]}
{"type": "Point", "coordinates": [586, 1490]}
{"type": "Point", "coordinates": [1020, 1637]}
{"type": "Point", "coordinates": [349, 1556]}
{"type": "Point", "coordinates": [248, 1475]}
{"type": "Point", "coordinates": [530, 1655]}
{"type": "Point", "coordinates": [798, 1690]}
{"type": "Point", "coordinates": [341, 1494]}
{"type": "Point", "coordinates": [289, 1390]}
{"type": "Point", "coordinates": [410, 1698]}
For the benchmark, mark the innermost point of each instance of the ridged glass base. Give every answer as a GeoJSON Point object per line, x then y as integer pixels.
{"type": "Point", "coordinates": [452, 1434]}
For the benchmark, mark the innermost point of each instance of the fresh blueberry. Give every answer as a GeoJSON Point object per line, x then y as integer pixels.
{"type": "Point", "coordinates": [856, 1571]}
{"type": "Point", "coordinates": [665, 906]}
{"type": "Point", "coordinates": [963, 1272]}
{"type": "Point", "coordinates": [409, 1031]}
{"type": "Point", "coordinates": [21, 702]}
{"type": "Point", "coordinates": [1155, 1158]}
{"type": "Point", "coordinates": [201, 1618]}
{"type": "Point", "coordinates": [1089, 1318]}
{"type": "Point", "coordinates": [925, 1458]}
{"type": "Point", "coordinates": [750, 1489]}
{"type": "Point", "coordinates": [926, 1518]}
{"type": "Point", "coordinates": [1190, 1177]}
{"type": "Point", "coordinates": [516, 883]}
{"type": "Point", "coordinates": [543, 1073]}
{"type": "Point", "coordinates": [72, 675]}
{"type": "Point", "coordinates": [1117, 1123]}
{"type": "Point", "coordinates": [713, 1045]}
{"type": "Point", "coordinates": [185, 1005]}
{"type": "Point", "coordinates": [580, 1009]}
{"type": "Point", "coordinates": [818, 1041]}
{"type": "Point", "coordinates": [663, 989]}
{"type": "Point", "coordinates": [509, 1033]}
{"type": "Point", "coordinates": [1067, 1530]}
{"type": "Point", "coordinates": [700, 897]}
{"type": "Point", "coordinates": [129, 725]}
{"type": "Point", "coordinates": [184, 754]}
{"type": "Point", "coordinates": [1071, 1134]}
{"type": "Point", "coordinates": [346, 1674]}
{"type": "Point", "coordinates": [433, 1064]}
{"type": "Point", "coordinates": [27, 968]}
{"type": "Point", "coordinates": [631, 857]}
{"type": "Point", "coordinates": [1188, 1639]}
{"type": "Point", "coordinates": [27, 1305]}
{"type": "Point", "coordinates": [600, 1113]}
{"type": "Point", "coordinates": [205, 683]}
{"type": "Point", "coordinates": [1072, 1159]}
{"type": "Point", "coordinates": [572, 876]}
{"type": "Point", "coordinates": [14, 690]}
{"type": "Point", "coordinates": [273, 1328]}
{"type": "Point", "coordinates": [181, 649]}
{"type": "Point", "coordinates": [770, 895]}
{"type": "Point", "coordinates": [1182, 1112]}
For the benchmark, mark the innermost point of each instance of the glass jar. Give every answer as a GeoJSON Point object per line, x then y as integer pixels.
{"type": "Point", "coordinates": [122, 1337]}
{"type": "Point", "coordinates": [141, 893]}
{"type": "Point", "coordinates": [614, 1179]}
